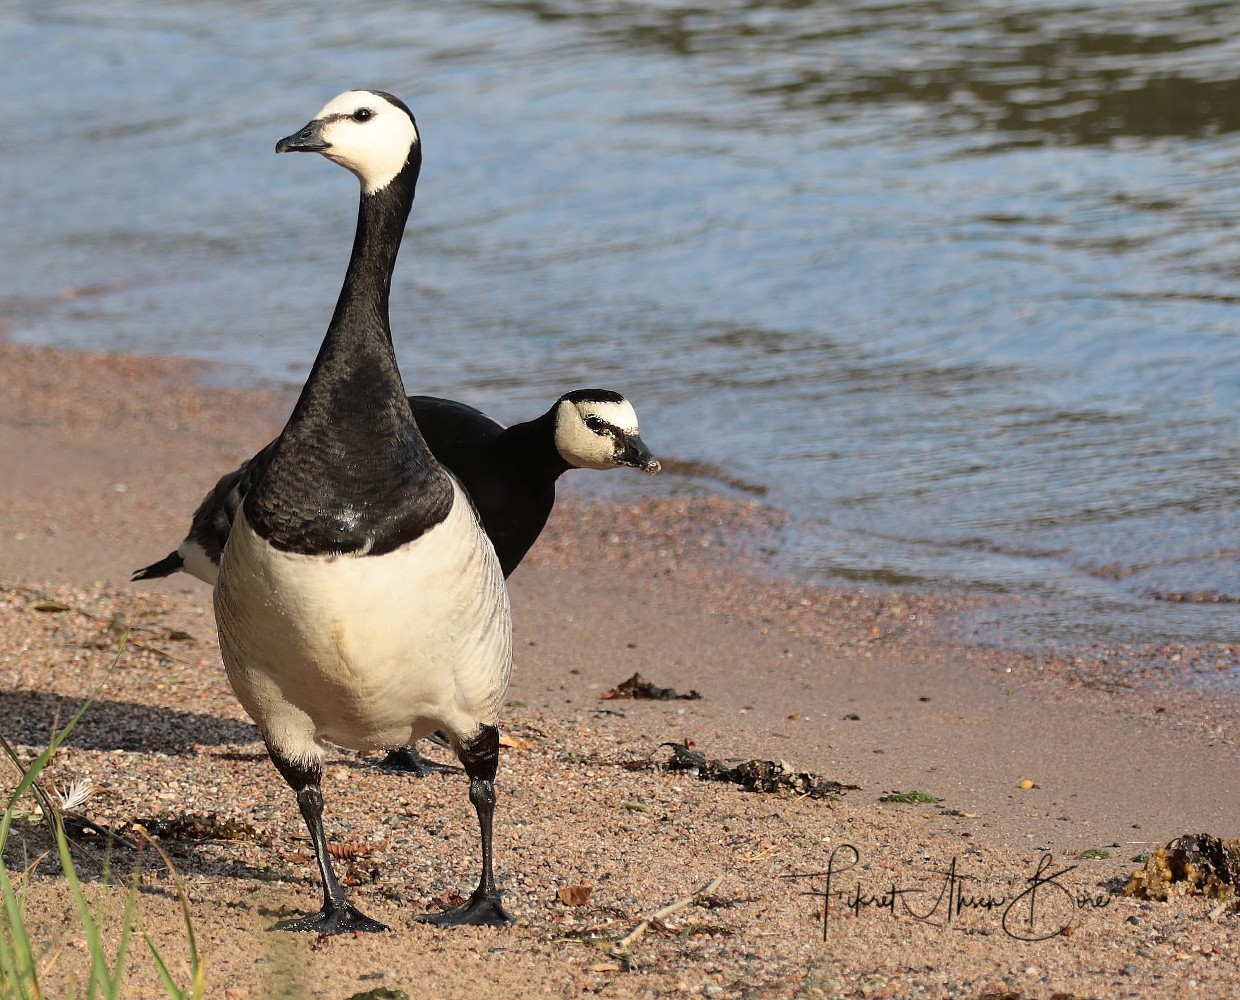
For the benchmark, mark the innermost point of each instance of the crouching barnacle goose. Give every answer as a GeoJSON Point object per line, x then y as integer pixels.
{"type": "Point", "coordinates": [509, 472]}
{"type": "Point", "coordinates": [358, 600]}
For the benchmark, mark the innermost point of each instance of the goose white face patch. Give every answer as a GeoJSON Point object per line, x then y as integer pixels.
{"type": "Point", "coordinates": [368, 135]}
{"type": "Point", "coordinates": [590, 434]}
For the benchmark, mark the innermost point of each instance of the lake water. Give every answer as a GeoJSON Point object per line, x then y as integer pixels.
{"type": "Point", "coordinates": [955, 283]}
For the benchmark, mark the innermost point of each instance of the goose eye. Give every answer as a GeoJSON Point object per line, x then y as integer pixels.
{"type": "Point", "coordinates": [597, 424]}
{"type": "Point", "coordinates": [363, 115]}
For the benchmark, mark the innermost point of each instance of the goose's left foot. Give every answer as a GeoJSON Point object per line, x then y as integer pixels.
{"type": "Point", "coordinates": [482, 909]}
{"type": "Point", "coordinates": [480, 758]}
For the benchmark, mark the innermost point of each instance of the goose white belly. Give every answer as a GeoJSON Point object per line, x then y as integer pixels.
{"type": "Point", "coordinates": [367, 652]}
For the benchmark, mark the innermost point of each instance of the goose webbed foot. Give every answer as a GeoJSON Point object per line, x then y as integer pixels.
{"type": "Point", "coordinates": [482, 909]}
{"type": "Point", "coordinates": [407, 760]}
{"type": "Point", "coordinates": [338, 918]}
{"type": "Point", "coordinates": [480, 758]}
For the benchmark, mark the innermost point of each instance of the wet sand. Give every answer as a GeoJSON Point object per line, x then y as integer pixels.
{"type": "Point", "coordinates": [105, 457]}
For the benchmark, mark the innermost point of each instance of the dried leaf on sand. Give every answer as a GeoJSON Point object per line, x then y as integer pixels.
{"type": "Point", "coordinates": [575, 895]}
{"type": "Point", "coordinates": [638, 687]}
{"type": "Point", "coordinates": [752, 775]}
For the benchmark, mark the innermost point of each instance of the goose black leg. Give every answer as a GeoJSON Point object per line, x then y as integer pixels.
{"type": "Point", "coordinates": [338, 915]}
{"type": "Point", "coordinates": [480, 758]}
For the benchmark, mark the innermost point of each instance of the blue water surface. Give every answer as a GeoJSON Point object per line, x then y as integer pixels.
{"type": "Point", "coordinates": [953, 283]}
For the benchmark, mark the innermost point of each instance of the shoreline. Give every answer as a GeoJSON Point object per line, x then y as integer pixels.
{"type": "Point", "coordinates": [1176, 670]}
{"type": "Point", "coordinates": [108, 455]}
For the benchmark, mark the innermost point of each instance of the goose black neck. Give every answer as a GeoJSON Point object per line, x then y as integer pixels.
{"type": "Point", "coordinates": [359, 332]}
{"type": "Point", "coordinates": [381, 218]}
{"type": "Point", "coordinates": [534, 441]}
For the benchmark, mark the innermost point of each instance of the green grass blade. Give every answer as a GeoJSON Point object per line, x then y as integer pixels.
{"type": "Point", "coordinates": [198, 970]}
{"type": "Point", "coordinates": [99, 971]}
{"type": "Point", "coordinates": [51, 814]}
{"type": "Point", "coordinates": [17, 962]}
{"type": "Point", "coordinates": [127, 922]}
{"type": "Point", "coordinates": [170, 984]}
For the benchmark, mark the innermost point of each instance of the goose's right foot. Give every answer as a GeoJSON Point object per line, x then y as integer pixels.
{"type": "Point", "coordinates": [407, 760]}
{"type": "Point", "coordinates": [482, 909]}
{"type": "Point", "coordinates": [338, 915]}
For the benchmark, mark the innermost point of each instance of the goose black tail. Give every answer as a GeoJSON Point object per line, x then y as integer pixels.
{"type": "Point", "coordinates": [169, 564]}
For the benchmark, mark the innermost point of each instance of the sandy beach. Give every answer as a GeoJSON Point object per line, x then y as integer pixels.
{"type": "Point", "coordinates": [103, 458]}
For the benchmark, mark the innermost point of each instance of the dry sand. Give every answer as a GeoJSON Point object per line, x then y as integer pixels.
{"type": "Point", "coordinates": [103, 458]}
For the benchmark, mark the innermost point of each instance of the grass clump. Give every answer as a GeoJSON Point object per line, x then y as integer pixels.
{"type": "Point", "coordinates": [25, 966]}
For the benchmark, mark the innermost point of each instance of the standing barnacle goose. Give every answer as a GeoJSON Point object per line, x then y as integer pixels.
{"type": "Point", "coordinates": [509, 472]}
{"type": "Point", "coordinates": [359, 601]}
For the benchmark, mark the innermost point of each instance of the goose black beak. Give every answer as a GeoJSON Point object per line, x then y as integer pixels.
{"type": "Point", "coordinates": [308, 140]}
{"type": "Point", "coordinates": [638, 455]}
